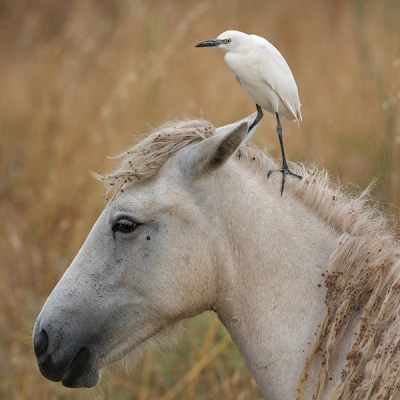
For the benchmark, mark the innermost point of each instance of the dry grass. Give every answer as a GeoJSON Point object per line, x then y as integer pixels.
{"type": "Point", "coordinates": [77, 77]}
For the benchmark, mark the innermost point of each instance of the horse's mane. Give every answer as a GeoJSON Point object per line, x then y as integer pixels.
{"type": "Point", "coordinates": [362, 278]}
{"type": "Point", "coordinates": [144, 159]}
{"type": "Point", "coordinates": [363, 285]}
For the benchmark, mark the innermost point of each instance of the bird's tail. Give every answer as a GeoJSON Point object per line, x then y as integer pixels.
{"type": "Point", "coordinates": [295, 111]}
{"type": "Point", "coordinates": [298, 117]}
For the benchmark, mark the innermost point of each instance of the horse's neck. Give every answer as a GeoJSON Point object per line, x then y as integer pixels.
{"type": "Point", "coordinates": [273, 298]}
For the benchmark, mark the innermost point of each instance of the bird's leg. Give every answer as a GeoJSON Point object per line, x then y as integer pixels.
{"type": "Point", "coordinates": [285, 169]}
{"type": "Point", "coordinates": [253, 124]}
{"type": "Point", "coordinates": [257, 119]}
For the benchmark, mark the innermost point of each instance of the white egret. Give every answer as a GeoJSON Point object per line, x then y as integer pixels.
{"type": "Point", "coordinates": [265, 76]}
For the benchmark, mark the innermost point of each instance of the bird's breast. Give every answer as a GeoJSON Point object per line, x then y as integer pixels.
{"type": "Point", "coordinates": [246, 69]}
{"type": "Point", "coordinates": [249, 76]}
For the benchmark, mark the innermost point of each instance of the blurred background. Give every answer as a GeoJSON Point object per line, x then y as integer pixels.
{"type": "Point", "coordinates": [78, 78]}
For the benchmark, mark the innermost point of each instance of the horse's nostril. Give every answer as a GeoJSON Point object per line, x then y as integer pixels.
{"type": "Point", "coordinates": [41, 341]}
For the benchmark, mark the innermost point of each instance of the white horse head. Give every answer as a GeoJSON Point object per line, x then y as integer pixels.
{"type": "Point", "coordinates": [192, 227]}
{"type": "Point", "coordinates": [139, 267]}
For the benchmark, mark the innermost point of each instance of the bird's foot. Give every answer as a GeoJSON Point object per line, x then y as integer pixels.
{"type": "Point", "coordinates": [285, 171]}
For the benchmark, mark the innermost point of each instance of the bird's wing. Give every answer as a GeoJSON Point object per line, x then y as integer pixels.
{"type": "Point", "coordinates": [277, 74]}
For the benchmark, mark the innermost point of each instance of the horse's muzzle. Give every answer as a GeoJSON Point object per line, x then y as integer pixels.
{"type": "Point", "coordinates": [66, 360]}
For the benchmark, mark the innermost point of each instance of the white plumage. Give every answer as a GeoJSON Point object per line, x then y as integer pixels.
{"type": "Point", "coordinates": [265, 76]}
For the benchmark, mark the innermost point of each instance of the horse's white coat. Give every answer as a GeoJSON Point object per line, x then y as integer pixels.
{"type": "Point", "coordinates": [222, 240]}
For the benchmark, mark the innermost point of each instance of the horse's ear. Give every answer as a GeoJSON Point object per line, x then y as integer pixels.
{"type": "Point", "coordinates": [249, 120]}
{"type": "Point", "coordinates": [213, 152]}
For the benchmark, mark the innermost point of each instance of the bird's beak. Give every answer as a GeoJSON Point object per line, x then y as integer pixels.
{"type": "Point", "coordinates": [209, 43]}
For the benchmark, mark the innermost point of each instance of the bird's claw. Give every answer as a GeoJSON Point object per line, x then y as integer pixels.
{"type": "Point", "coordinates": [284, 171]}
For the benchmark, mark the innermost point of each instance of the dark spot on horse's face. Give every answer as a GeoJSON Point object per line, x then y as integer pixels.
{"type": "Point", "coordinates": [148, 238]}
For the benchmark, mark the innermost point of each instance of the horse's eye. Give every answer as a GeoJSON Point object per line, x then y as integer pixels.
{"type": "Point", "coordinates": [125, 225]}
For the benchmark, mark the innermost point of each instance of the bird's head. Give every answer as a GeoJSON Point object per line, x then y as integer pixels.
{"type": "Point", "coordinates": [229, 41]}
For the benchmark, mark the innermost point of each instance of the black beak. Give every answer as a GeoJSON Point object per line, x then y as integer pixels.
{"type": "Point", "coordinates": [209, 43]}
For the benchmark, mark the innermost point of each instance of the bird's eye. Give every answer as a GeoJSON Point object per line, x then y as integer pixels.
{"type": "Point", "coordinates": [227, 41]}
{"type": "Point", "coordinates": [125, 225]}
